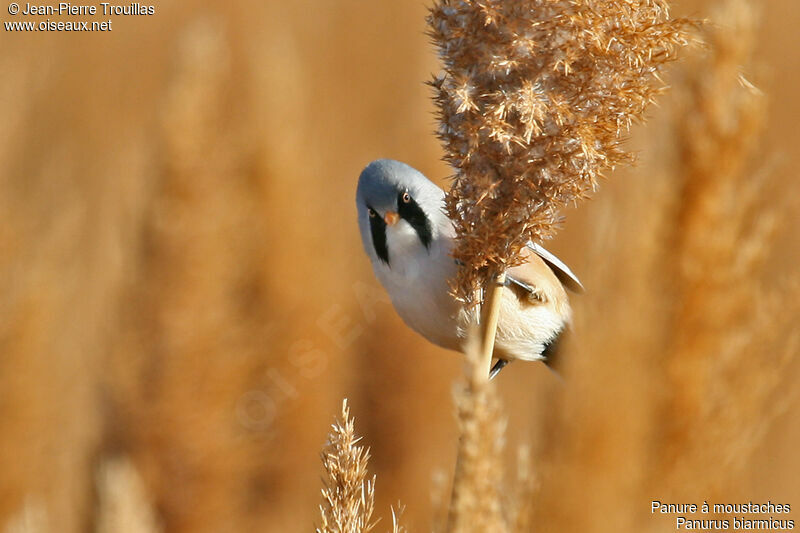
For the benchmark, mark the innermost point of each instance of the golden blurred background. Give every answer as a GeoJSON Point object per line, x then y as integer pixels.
{"type": "Point", "coordinates": [185, 301]}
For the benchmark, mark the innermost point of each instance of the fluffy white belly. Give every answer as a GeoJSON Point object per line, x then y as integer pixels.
{"type": "Point", "coordinates": [522, 329]}
{"type": "Point", "coordinates": [417, 282]}
{"type": "Point", "coordinates": [422, 299]}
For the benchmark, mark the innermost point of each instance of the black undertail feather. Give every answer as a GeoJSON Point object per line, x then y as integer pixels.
{"type": "Point", "coordinates": [552, 350]}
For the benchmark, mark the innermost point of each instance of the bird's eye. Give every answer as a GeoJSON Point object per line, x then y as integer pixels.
{"type": "Point", "coordinates": [372, 213]}
{"type": "Point", "coordinates": [406, 197]}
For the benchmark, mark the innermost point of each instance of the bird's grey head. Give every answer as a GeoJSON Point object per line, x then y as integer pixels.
{"type": "Point", "coordinates": [390, 192]}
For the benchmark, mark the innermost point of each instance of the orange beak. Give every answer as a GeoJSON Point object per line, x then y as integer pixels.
{"type": "Point", "coordinates": [391, 218]}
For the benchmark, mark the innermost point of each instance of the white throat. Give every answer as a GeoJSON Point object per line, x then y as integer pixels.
{"type": "Point", "coordinates": [407, 254]}
{"type": "Point", "coordinates": [417, 282]}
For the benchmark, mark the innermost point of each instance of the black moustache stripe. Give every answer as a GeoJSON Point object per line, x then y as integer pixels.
{"type": "Point", "coordinates": [377, 228]}
{"type": "Point", "coordinates": [412, 213]}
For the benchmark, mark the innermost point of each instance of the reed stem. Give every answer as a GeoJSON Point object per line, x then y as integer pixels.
{"type": "Point", "coordinates": [490, 312]}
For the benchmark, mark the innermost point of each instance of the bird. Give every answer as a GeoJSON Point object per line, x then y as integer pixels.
{"type": "Point", "coordinates": [409, 238]}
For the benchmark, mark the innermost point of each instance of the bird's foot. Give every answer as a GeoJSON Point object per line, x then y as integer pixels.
{"type": "Point", "coordinates": [498, 366]}
{"type": "Point", "coordinates": [533, 294]}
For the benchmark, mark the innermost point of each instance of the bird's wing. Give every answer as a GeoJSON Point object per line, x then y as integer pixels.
{"type": "Point", "coordinates": [534, 276]}
{"type": "Point", "coordinates": [562, 271]}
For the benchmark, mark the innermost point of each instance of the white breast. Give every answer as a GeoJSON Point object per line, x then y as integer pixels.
{"type": "Point", "coordinates": [417, 282]}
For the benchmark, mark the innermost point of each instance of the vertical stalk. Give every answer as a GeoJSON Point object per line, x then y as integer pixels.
{"type": "Point", "coordinates": [477, 385]}
{"type": "Point", "coordinates": [490, 312]}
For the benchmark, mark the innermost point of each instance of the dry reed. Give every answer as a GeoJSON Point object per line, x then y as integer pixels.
{"type": "Point", "coordinates": [533, 103]}
{"type": "Point", "coordinates": [123, 502]}
{"type": "Point", "coordinates": [178, 180]}
{"type": "Point", "coordinates": [349, 493]}
{"type": "Point", "coordinates": [32, 518]}
{"type": "Point", "coordinates": [477, 485]}
{"type": "Point", "coordinates": [692, 373]}
{"type": "Point", "coordinates": [733, 339]}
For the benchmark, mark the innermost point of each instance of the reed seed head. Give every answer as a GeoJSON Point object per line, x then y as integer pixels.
{"type": "Point", "coordinates": [534, 100]}
{"type": "Point", "coordinates": [349, 493]}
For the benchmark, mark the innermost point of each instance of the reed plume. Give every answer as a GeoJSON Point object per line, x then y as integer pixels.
{"type": "Point", "coordinates": [349, 493]}
{"type": "Point", "coordinates": [733, 335]}
{"type": "Point", "coordinates": [533, 103]}
{"type": "Point", "coordinates": [123, 504]}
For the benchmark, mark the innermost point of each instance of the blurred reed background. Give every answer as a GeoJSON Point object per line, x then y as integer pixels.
{"type": "Point", "coordinates": [185, 302]}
